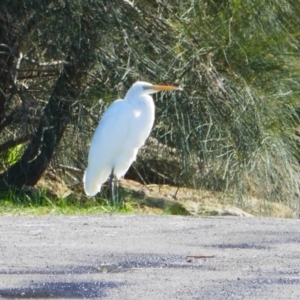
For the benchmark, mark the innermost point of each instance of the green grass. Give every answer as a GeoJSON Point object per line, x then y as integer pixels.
{"type": "Point", "coordinates": [39, 203]}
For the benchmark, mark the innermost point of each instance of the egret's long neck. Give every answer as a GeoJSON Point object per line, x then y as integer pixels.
{"type": "Point", "coordinates": [144, 111]}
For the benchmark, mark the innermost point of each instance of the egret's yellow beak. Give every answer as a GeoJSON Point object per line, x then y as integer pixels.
{"type": "Point", "coordinates": [165, 88]}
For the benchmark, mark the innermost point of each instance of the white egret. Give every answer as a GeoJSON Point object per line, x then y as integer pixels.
{"type": "Point", "coordinates": [122, 131]}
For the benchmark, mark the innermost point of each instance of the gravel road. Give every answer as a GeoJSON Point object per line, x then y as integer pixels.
{"type": "Point", "coordinates": [149, 257]}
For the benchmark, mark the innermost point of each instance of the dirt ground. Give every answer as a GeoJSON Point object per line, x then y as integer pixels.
{"type": "Point", "coordinates": [157, 199]}
{"type": "Point", "coordinates": [149, 257]}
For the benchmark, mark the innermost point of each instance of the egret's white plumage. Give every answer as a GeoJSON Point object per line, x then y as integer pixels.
{"type": "Point", "coordinates": [123, 129]}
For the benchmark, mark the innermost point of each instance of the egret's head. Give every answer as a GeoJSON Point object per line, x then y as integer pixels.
{"type": "Point", "coordinates": [140, 88]}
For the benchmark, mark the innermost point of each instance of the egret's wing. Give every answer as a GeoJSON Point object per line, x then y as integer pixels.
{"type": "Point", "coordinates": [108, 141]}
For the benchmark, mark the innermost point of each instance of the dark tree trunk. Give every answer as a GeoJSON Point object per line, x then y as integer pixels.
{"type": "Point", "coordinates": [33, 163]}
{"type": "Point", "coordinates": [16, 21]}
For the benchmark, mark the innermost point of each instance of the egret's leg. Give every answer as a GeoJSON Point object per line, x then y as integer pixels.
{"type": "Point", "coordinates": [116, 186]}
{"type": "Point", "coordinates": [111, 187]}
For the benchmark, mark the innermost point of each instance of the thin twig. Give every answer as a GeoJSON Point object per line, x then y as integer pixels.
{"type": "Point", "coordinates": [46, 64]}
{"type": "Point", "coordinates": [71, 169]}
{"type": "Point", "coordinates": [200, 256]}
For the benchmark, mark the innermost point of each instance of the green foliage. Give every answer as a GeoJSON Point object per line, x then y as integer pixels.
{"type": "Point", "coordinates": [234, 126]}
{"type": "Point", "coordinates": [13, 155]}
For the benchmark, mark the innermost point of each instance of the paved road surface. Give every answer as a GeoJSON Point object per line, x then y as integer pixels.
{"type": "Point", "coordinates": [149, 257]}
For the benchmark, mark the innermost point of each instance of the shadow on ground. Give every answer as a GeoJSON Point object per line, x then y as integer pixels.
{"type": "Point", "coordinates": [71, 290]}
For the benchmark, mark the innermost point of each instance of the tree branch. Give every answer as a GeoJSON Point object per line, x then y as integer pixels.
{"type": "Point", "coordinates": [14, 142]}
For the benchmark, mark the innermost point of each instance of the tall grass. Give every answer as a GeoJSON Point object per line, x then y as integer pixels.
{"type": "Point", "coordinates": [234, 126]}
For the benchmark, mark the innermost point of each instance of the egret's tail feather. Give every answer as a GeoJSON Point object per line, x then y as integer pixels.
{"type": "Point", "coordinates": [93, 179]}
{"type": "Point", "coordinates": [91, 185]}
